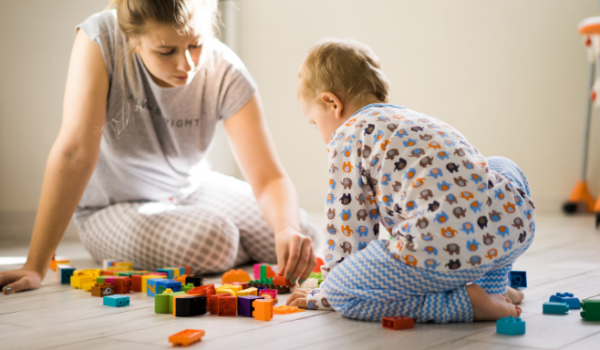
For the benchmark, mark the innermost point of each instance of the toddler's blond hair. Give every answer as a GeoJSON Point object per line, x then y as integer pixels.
{"type": "Point", "coordinates": [345, 67]}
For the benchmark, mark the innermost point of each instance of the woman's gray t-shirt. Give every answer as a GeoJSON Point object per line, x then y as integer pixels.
{"type": "Point", "coordinates": [168, 130]}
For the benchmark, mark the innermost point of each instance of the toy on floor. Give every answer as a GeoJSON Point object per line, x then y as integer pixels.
{"type": "Point", "coordinates": [58, 261]}
{"type": "Point", "coordinates": [591, 310]}
{"type": "Point", "coordinates": [566, 298]}
{"type": "Point", "coordinates": [244, 305]}
{"type": "Point", "coordinates": [510, 326]}
{"type": "Point", "coordinates": [102, 290]}
{"type": "Point", "coordinates": [555, 308]}
{"type": "Point", "coordinates": [187, 305]}
{"type": "Point", "coordinates": [285, 309]}
{"type": "Point", "coordinates": [186, 337]}
{"type": "Point", "coordinates": [235, 276]}
{"type": "Point", "coordinates": [115, 300]}
{"type": "Point", "coordinates": [263, 309]}
{"type": "Point", "coordinates": [398, 322]}
{"type": "Point", "coordinates": [518, 279]}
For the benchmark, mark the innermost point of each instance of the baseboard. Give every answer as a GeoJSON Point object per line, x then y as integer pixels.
{"type": "Point", "coordinates": [19, 225]}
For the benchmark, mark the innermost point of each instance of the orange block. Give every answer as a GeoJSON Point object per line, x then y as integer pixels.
{"type": "Point", "coordinates": [263, 309]}
{"type": "Point", "coordinates": [320, 263]}
{"type": "Point", "coordinates": [207, 290]}
{"type": "Point", "coordinates": [54, 263]}
{"type": "Point", "coordinates": [281, 281]}
{"type": "Point", "coordinates": [284, 309]}
{"type": "Point", "coordinates": [180, 279]}
{"type": "Point", "coordinates": [235, 276]}
{"type": "Point", "coordinates": [186, 337]}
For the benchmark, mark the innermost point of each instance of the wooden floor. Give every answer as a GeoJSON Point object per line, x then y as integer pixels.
{"type": "Point", "coordinates": [565, 257]}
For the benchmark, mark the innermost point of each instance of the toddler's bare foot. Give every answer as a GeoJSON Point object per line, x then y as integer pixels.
{"type": "Point", "coordinates": [490, 307]}
{"type": "Point", "coordinates": [515, 295]}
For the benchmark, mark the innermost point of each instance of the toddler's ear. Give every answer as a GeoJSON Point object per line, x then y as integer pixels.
{"type": "Point", "coordinates": [332, 104]}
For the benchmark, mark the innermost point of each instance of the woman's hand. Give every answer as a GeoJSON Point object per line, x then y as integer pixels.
{"type": "Point", "coordinates": [295, 256]}
{"type": "Point", "coordinates": [20, 280]}
{"type": "Point", "coordinates": [298, 298]}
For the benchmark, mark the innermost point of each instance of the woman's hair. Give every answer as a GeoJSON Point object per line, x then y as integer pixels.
{"type": "Point", "coordinates": [342, 66]}
{"type": "Point", "coordinates": [136, 17]}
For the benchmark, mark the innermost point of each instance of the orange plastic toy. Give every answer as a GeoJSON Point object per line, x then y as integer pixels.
{"type": "Point", "coordinates": [320, 263]}
{"type": "Point", "coordinates": [207, 290]}
{"type": "Point", "coordinates": [263, 309]}
{"type": "Point", "coordinates": [281, 281]}
{"type": "Point", "coordinates": [398, 322]}
{"type": "Point", "coordinates": [235, 276]}
{"type": "Point", "coordinates": [284, 309]}
{"type": "Point", "coordinates": [186, 337]}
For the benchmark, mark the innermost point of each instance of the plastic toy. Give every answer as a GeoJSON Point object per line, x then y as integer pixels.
{"type": "Point", "coordinates": [268, 271]}
{"type": "Point", "coordinates": [107, 273]}
{"type": "Point", "coordinates": [268, 284]}
{"type": "Point", "coordinates": [145, 279]}
{"type": "Point", "coordinates": [171, 298]}
{"type": "Point", "coordinates": [187, 287]}
{"type": "Point", "coordinates": [102, 290]}
{"type": "Point", "coordinates": [186, 337]}
{"type": "Point", "coordinates": [88, 286]}
{"type": "Point", "coordinates": [591, 310]}
{"type": "Point", "coordinates": [231, 287]}
{"type": "Point", "coordinates": [244, 305]}
{"type": "Point", "coordinates": [122, 285]}
{"type": "Point", "coordinates": [556, 308]}
{"type": "Point", "coordinates": [195, 280]}
{"type": "Point", "coordinates": [518, 279]}
{"type": "Point", "coordinates": [170, 272]}
{"type": "Point", "coordinates": [58, 261]}
{"type": "Point", "coordinates": [151, 286]}
{"type": "Point", "coordinates": [263, 309]}
{"type": "Point", "coordinates": [398, 322]}
{"type": "Point", "coordinates": [163, 284]}
{"type": "Point", "coordinates": [116, 300]}
{"type": "Point", "coordinates": [281, 281]}
{"type": "Point", "coordinates": [244, 285]}
{"type": "Point", "coordinates": [207, 290]}
{"type": "Point", "coordinates": [213, 302]}
{"type": "Point", "coordinates": [320, 263]}
{"type": "Point", "coordinates": [189, 305]}
{"type": "Point", "coordinates": [124, 264]}
{"type": "Point", "coordinates": [161, 302]}
{"type": "Point", "coordinates": [249, 291]}
{"type": "Point", "coordinates": [178, 270]}
{"type": "Point", "coordinates": [510, 326]}
{"type": "Point", "coordinates": [567, 298]}
{"type": "Point", "coordinates": [284, 309]}
{"type": "Point", "coordinates": [78, 281]}
{"type": "Point", "coordinates": [64, 273]}
{"type": "Point", "coordinates": [235, 276]}
{"type": "Point", "coordinates": [269, 294]}
{"type": "Point", "coordinates": [227, 306]}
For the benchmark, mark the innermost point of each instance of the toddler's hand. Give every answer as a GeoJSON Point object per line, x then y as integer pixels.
{"type": "Point", "coordinates": [298, 298]}
{"type": "Point", "coordinates": [295, 255]}
{"type": "Point", "coordinates": [19, 280]}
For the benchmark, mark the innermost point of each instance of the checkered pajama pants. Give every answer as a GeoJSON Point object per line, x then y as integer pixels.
{"type": "Point", "coordinates": [371, 284]}
{"type": "Point", "coordinates": [216, 228]}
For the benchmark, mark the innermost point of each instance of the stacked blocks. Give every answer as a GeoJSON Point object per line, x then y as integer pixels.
{"type": "Point", "coordinates": [591, 310]}
{"type": "Point", "coordinates": [170, 272]}
{"type": "Point", "coordinates": [227, 306]}
{"type": "Point", "coordinates": [161, 302]}
{"type": "Point", "coordinates": [102, 290]}
{"type": "Point", "coordinates": [518, 279]}
{"type": "Point", "coordinates": [163, 284]}
{"type": "Point", "coordinates": [556, 308]}
{"type": "Point", "coordinates": [281, 281]}
{"type": "Point", "coordinates": [398, 322]}
{"type": "Point", "coordinates": [510, 326]}
{"type": "Point", "coordinates": [235, 276]}
{"type": "Point", "coordinates": [172, 297]}
{"type": "Point", "coordinates": [268, 284]}
{"type": "Point", "coordinates": [213, 303]}
{"type": "Point", "coordinates": [116, 300]}
{"type": "Point", "coordinates": [244, 305]}
{"type": "Point", "coordinates": [263, 309]}
{"type": "Point", "coordinates": [567, 298]}
{"type": "Point", "coordinates": [151, 287]}
{"type": "Point", "coordinates": [78, 281]}
{"type": "Point", "coordinates": [186, 337]}
{"type": "Point", "coordinates": [145, 279]}
{"type": "Point", "coordinates": [189, 305]}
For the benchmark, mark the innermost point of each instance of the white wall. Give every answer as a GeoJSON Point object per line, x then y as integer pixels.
{"type": "Point", "coordinates": [510, 75]}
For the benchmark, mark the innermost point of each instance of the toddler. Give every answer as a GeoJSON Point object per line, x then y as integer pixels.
{"type": "Point", "coordinates": [458, 220]}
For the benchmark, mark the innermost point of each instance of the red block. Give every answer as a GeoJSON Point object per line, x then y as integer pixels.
{"type": "Point", "coordinates": [227, 306]}
{"type": "Point", "coordinates": [320, 263]}
{"type": "Point", "coordinates": [281, 281]}
{"type": "Point", "coordinates": [214, 302]}
{"type": "Point", "coordinates": [136, 280]}
{"type": "Point", "coordinates": [107, 273]}
{"type": "Point", "coordinates": [243, 284]}
{"type": "Point", "coordinates": [398, 322]}
{"type": "Point", "coordinates": [207, 290]}
{"type": "Point", "coordinates": [122, 285]}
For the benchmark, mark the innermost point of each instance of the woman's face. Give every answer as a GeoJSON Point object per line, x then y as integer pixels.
{"type": "Point", "coordinates": [169, 56]}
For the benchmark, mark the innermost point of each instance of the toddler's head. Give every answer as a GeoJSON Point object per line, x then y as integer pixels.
{"type": "Point", "coordinates": [337, 78]}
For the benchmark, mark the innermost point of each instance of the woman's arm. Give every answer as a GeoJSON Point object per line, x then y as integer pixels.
{"type": "Point", "coordinates": [273, 189]}
{"type": "Point", "coordinates": [71, 161]}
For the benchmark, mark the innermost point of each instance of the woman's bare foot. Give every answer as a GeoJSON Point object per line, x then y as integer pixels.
{"type": "Point", "coordinates": [515, 295]}
{"type": "Point", "coordinates": [490, 307]}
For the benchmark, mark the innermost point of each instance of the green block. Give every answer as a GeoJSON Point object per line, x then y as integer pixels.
{"type": "Point", "coordinates": [263, 271]}
{"type": "Point", "coordinates": [591, 310]}
{"type": "Point", "coordinates": [187, 287]}
{"type": "Point", "coordinates": [126, 273]}
{"type": "Point", "coordinates": [171, 300]}
{"type": "Point", "coordinates": [161, 303]}
{"type": "Point", "coordinates": [100, 279]}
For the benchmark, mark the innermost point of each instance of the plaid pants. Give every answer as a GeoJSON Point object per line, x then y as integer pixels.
{"type": "Point", "coordinates": [217, 227]}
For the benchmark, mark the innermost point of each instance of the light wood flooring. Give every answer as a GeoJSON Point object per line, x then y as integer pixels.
{"type": "Point", "coordinates": [565, 257]}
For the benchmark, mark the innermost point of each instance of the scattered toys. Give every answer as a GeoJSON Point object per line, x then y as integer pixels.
{"type": "Point", "coordinates": [518, 279]}
{"type": "Point", "coordinates": [227, 306]}
{"type": "Point", "coordinates": [235, 276]}
{"type": "Point", "coordinates": [510, 326]}
{"type": "Point", "coordinates": [244, 305]}
{"type": "Point", "coordinates": [591, 310]}
{"type": "Point", "coordinates": [284, 309]}
{"type": "Point", "coordinates": [567, 298]}
{"type": "Point", "coordinates": [398, 322]}
{"type": "Point", "coordinates": [102, 290]}
{"type": "Point", "coordinates": [213, 303]}
{"type": "Point", "coordinates": [555, 308]}
{"type": "Point", "coordinates": [189, 305]}
{"type": "Point", "coordinates": [268, 284]}
{"type": "Point", "coordinates": [246, 292]}
{"type": "Point", "coordinates": [263, 309]}
{"type": "Point", "coordinates": [145, 279]}
{"type": "Point", "coordinates": [186, 337]}
{"type": "Point", "coordinates": [116, 300]}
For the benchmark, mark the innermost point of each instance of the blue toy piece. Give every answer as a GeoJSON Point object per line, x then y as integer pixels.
{"type": "Point", "coordinates": [518, 279]}
{"type": "Point", "coordinates": [566, 298]}
{"type": "Point", "coordinates": [556, 308]}
{"type": "Point", "coordinates": [65, 274]}
{"type": "Point", "coordinates": [170, 273]}
{"type": "Point", "coordinates": [510, 326]}
{"type": "Point", "coordinates": [163, 284]}
{"type": "Point", "coordinates": [181, 269]}
{"type": "Point", "coordinates": [116, 300]}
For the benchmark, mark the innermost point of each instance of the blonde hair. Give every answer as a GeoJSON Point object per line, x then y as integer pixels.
{"type": "Point", "coordinates": [134, 20]}
{"type": "Point", "coordinates": [347, 67]}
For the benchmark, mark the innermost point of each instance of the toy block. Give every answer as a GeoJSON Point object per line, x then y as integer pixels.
{"type": "Point", "coordinates": [213, 302]}
{"type": "Point", "coordinates": [227, 306]}
{"type": "Point", "coordinates": [591, 310]}
{"type": "Point", "coordinates": [228, 291]}
{"type": "Point", "coordinates": [263, 309]}
{"type": "Point", "coordinates": [243, 285]}
{"type": "Point", "coordinates": [244, 305]}
{"type": "Point", "coordinates": [58, 261]}
{"type": "Point", "coordinates": [235, 288]}
{"type": "Point", "coordinates": [518, 279]}
{"type": "Point", "coordinates": [171, 296]}
{"type": "Point", "coordinates": [281, 281]}
{"type": "Point", "coordinates": [268, 284]}
{"type": "Point", "coordinates": [117, 268]}
{"type": "Point", "coordinates": [257, 270]}
{"type": "Point", "coordinates": [116, 300]}
{"type": "Point", "coordinates": [180, 270]}
{"type": "Point", "coordinates": [87, 272]}
{"type": "Point", "coordinates": [180, 279]}
{"type": "Point", "coordinates": [245, 292]}
{"type": "Point", "coordinates": [269, 294]}
{"type": "Point", "coordinates": [126, 273]}
{"type": "Point", "coordinates": [126, 264]}
{"type": "Point", "coordinates": [145, 279]}
{"type": "Point", "coordinates": [161, 303]}
{"type": "Point", "coordinates": [567, 298]}
{"type": "Point", "coordinates": [88, 286]}
{"type": "Point", "coordinates": [267, 271]}
{"type": "Point", "coordinates": [284, 309]}
{"type": "Point", "coordinates": [102, 290]}
{"type": "Point", "coordinates": [320, 263]}
{"type": "Point", "coordinates": [164, 284]}
{"type": "Point", "coordinates": [122, 285]}
{"type": "Point", "coordinates": [107, 273]}
{"type": "Point", "coordinates": [510, 326]}
{"type": "Point", "coordinates": [170, 272]}
{"type": "Point", "coordinates": [555, 308]}
{"type": "Point", "coordinates": [207, 290]}
{"type": "Point", "coordinates": [106, 263]}
{"type": "Point", "coordinates": [186, 337]}
{"type": "Point", "coordinates": [186, 288]}
{"type": "Point", "coordinates": [78, 281]}
{"type": "Point", "coordinates": [189, 305]}
{"type": "Point", "coordinates": [195, 280]}
{"type": "Point", "coordinates": [235, 276]}
{"type": "Point", "coordinates": [152, 286]}
{"type": "Point", "coordinates": [398, 322]}
{"type": "Point", "coordinates": [64, 273]}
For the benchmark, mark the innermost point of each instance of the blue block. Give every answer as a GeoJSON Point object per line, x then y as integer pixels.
{"type": "Point", "coordinates": [116, 300]}
{"type": "Point", "coordinates": [566, 298]}
{"type": "Point", "coordinates": [152, 286]}
{"type": "Point", "coordinates": [164, 284]}
{"type": "Point", "coordinates": [181, 269]}
{"type": "Point", "coordinates": [169, 272]}
{"type": "Point", "coordinates": [510, 326]}
{"type": "Point", "coordinates": [65, 275]}
{"type": "Point", "coordinates": [556, 308]}
{"type": "Point", "coordinates": [518, 279]}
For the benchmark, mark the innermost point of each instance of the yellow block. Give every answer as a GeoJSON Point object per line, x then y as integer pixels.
{"type": "Point", "coordinates": [235, 288]}
{"type": "Point", "coordinates": [88, 286]}
{"type": "Point", "coordinates": [229, 291]}
{"type": "Point", "coordinates": [175, 271]}
{"type": "Point", "coordinates": [145, 281]}
{"type": "Point", "coordinates": [89, 272]}
{"type": "Point", "coordinates": [249, 291]}
{"type": "Point", "coordinates": [126, 264]}
{"type": "Point", "coordinates": [78, 281]}
{"type": "Point", "coordinates": [118, 268]}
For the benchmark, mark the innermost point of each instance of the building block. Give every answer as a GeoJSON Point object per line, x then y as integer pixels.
{"type": "Point", "coordinates": [186, 288]}
{"type": "Point", "coordinates": [235, 288]}
{"type": "Point", "coordinates": [567, 298]}
{"type": "Point", "coordinates": [555, 308]}
{"type": "Point", "coordinates": [281, 281]}
{"type": "Point", "coordinates": [269, 294]}
{"type": "Point", "coordinates": [107, 273]}
{"type": "Point", "coordinates": [180, 270]}
{"type": "Point", "coordinates": [257, 270]}
{"type": "Point", "coordinates": [58, 261]}
{"type": "Point", "coordinates": [591, 309]}
{"type": "Point", "coordinates": [243, 285]}
{"type": "Point", "coordinates": [213, 302]}
{"type": "Point", "coordinates": [170, 272]}
{"type": "Point", "coordinates": [88, 286]}
{"type": "Point", "coordinates": [249, 291]}
{"type": "Point", "coordinates": [163, 284]}
{"type": "Point", "coordinates": [207, 290]}
{"type": "Point", "coordinates": [244, 305]}
{"type": "Point", "coordinates": [171, 298]}
{"type": "Point", "coordinates": [268, 284]}
{"type": "Point", "coordinates": [186, 337]}
{"type": "Point", "coordinates": [126, 264]}
{"type": "Point", "coordinates": [64, 273]}
{"type": "Point", "coordinates": [235, 276]}
{"type": "Point", "coordinates": [510, 326]}
{"type": "Point", "coordinates": [78, 281]}
{"type": "Point", "coordinates": [116, 300]}
{"type": "Point", "coordinates": [186, 270]}
{"type": "Point", "coordinates": [195, 280]}
{"type": "Point", "coordinates": [320, 263]}
{"type": "Point", "coordinates": [181, 279]}
{"type": "Point", "coordinates": [106, 263]}
{"type": "Point", "coordinates": [87, 272]}
{"type": "Point", "coordinates": [284, 309]}
{"type": "Point", "coordinates": [152, 287]}
{"type": "Point", "coordinates": [227, 306]}
{"type": "Point", "coordinates": [117, 268]}
{"type": "Point", "coordinates": [398, 322]}
{"type": "Point", "coordinates": [102, 290]}
{"type": "Point", "coordinates": [263, 309]}
{"type": "Point", "coordinates": [145, 279]}
{"type": "Point", "coordinates": [189, 305]}
{"type": "Point", "coordinates": [518, 279]}
{"type": "Point", "coordinates": [267, 271]}
{"type": "Point", "coordinates": [122, 285]}
{"type": "Point", "coordinates": [161, 303]}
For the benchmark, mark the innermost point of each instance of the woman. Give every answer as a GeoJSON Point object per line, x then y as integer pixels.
{"type": "Point", "coordinates": [146, 86]}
